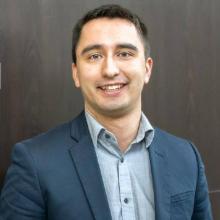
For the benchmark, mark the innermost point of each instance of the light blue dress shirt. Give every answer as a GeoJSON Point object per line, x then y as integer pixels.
{"type": "Point", "coordinates": [126, 175]}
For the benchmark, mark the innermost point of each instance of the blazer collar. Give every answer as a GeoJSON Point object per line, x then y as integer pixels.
{"type": "Point", "coordinates": [160, 174]}
{"type": "Point", "coordinates": [79, 127]}
{"type": "Point", "coordinates": [86, 164]}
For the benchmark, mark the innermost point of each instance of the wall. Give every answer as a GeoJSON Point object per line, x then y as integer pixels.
{"type": "Point", "coordinates": [37, 92]}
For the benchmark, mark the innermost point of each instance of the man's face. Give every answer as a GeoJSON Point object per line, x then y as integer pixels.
{"type": "Point", "coordinates": [111, 68]}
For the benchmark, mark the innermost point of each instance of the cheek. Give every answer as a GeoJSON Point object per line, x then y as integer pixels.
{"type": "Point", "coordinates": [89, 73]}
{"type": "Point", "coordinates": [135, 65]}
{"type": "Point", "coordinates": [88, 78]}
{"type": "Point", "coordinates": [135, 71]}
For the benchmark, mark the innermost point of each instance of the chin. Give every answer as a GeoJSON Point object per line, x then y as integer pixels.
{"type": "Point", "coordinates": [115, 112]}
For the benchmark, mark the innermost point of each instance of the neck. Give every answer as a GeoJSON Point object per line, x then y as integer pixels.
{"type": "Point", "coordinates": [124, 127]}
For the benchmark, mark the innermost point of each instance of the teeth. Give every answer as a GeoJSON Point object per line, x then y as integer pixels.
{"type": "Point", "coordinates": [112, 87]}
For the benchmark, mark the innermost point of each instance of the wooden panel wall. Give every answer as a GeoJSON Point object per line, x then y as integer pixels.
{"type": "Point", "coordinates": [183, 97]}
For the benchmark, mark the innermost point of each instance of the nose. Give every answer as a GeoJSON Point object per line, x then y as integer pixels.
{"type": "Point", "coordinates": [110, 68]}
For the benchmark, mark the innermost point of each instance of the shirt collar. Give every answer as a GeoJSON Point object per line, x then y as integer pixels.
{"type": "Point", "coordinates": [145, 130]}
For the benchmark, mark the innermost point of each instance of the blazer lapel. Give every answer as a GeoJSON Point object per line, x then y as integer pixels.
{"type": "Point", "coordinates": [160, 174]}
{"type": "Point", "coordinates": [86, 164]}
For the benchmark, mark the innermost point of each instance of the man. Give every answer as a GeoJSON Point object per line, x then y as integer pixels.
{"type": "Point", "coordinates": [109, 162]}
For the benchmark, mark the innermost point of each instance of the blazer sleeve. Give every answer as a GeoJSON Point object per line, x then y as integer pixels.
{"type": "Point", "coordinates": [21, 196]}
{"type": "Point", "coordinates": [202, 206]}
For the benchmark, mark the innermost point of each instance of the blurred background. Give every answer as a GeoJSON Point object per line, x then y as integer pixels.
{"type": "Point", "coordinates": [37, 92]}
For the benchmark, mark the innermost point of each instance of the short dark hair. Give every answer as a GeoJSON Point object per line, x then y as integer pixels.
{"type": "Point", "coordinates": [110, 11]}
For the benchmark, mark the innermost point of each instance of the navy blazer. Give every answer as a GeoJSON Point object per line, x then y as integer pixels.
{"type": "Point", "coordinates": [56, 176]}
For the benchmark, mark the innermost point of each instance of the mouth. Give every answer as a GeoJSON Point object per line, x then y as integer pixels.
{"type": "Point", "coordinates": [112, 89]}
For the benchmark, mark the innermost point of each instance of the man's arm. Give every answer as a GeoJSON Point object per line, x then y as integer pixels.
{"type": "Point", "coordinates": [202, 206]}
{"type": "Point", "coordinates": [21, 196]}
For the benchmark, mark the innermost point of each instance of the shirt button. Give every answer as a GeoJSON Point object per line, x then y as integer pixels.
{"type": "Point", "coordinates": [126, 200]}
{"type": "Point", "coordinates": [122, 160]}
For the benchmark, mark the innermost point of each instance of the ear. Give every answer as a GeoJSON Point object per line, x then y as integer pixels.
{"type": "Point", "coordinates": [148, 67]}
{"type": "Point", "coordinates": [75, 75]}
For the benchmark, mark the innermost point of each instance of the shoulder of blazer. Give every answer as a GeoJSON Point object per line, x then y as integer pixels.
{"type": "Point", "coordinates": [61, 136]}
{"type": "Point", "coordinates": [178, 151]}
{"type": "Point", "coordinates": [173, 143]}
{"type": "Point", "coordinates": [159, 133]}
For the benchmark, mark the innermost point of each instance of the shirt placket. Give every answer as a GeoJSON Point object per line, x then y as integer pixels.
{"type": "Point", "coordinates": [126, 196]}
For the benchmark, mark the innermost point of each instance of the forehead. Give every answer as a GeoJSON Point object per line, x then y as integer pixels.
{"type": "Point", "coordinates": [109, 31]}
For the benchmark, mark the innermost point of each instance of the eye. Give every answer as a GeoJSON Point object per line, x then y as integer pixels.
{"type": "Point", "coordinates": [95, 56]}
{"type": "Point", "coordinates": [124, 54]}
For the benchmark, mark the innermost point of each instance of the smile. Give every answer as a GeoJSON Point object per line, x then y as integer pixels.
{"type": "Point", "coordinates": [112, 87]}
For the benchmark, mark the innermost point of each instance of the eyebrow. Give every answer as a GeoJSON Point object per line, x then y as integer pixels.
{"type": "Point", "coordinates": [91, 47]}
{"type": "Point", "coordinates": [118, 46]}
{"type": "Point", "coordinates": [127, 46]}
